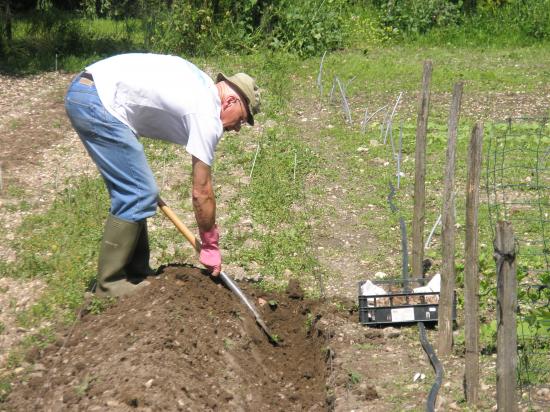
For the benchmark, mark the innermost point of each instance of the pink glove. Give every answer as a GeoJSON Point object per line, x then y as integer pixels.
{"type": "Point", "coordinates": [210, 255]}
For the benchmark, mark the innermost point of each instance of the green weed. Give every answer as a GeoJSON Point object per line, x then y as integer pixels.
{"type": "Point", "coordinates": [99, 305]}
{"type": "Point", "coordinates": [366, 346]}
{"type": "Point", "coordinates": [15, 124]}
{"type": "Point", "coordinates": [228, 344]}
{"type": "Point", "coordinates": [14, 191]}
{"type": "Point", "coordinates": [309, 322]}
{"type": "Point", "coordinates": [84, 385]}
{"type": "Point", "coordinates": [5, 387]}
{"type": "Point", "coordinates": [354, 378]}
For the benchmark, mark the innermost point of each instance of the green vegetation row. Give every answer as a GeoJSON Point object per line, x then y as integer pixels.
{"type": "Point", "coordinates": [51, 34]}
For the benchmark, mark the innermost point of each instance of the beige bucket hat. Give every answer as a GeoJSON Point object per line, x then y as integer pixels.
{"type": "Point", "coordinates": [247, 88]}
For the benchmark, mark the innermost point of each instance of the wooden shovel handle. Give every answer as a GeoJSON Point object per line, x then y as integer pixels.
{"type": "Point", "coordinates": [179, 225]}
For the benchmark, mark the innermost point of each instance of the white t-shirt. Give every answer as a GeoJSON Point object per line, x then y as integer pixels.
{"type": "Point", "coordinates": [162, 97]}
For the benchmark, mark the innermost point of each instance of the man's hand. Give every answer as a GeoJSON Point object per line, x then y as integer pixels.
{"type": "Point", "coordinates": [210, 255]}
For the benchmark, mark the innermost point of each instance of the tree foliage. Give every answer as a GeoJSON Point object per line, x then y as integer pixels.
{"type": "Point", "coordinates": [419, 16]}
{"type": "Point", "coordinates": [303, 27]}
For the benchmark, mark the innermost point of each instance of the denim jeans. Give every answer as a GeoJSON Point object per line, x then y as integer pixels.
{"type": "Point", "coordinates": [116, 151]}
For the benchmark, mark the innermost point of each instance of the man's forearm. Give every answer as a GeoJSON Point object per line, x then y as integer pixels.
{"type": "Point", "coordinates": [205, 211]}
{"type": "Point", "coordinates": [204, 201]}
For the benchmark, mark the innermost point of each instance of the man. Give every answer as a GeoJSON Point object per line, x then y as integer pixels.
{"type": "Point", "coordinates": [120, 98]}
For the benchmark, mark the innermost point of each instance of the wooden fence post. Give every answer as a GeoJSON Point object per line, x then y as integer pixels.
{"type": "Point", "coordinates": [420, 173]}
{"type": "Point", "coordinates": [507, 356]}
{"type": "Point", "coordinates": [448, 273]}
{"type": "Point", "coordinates": [471, 268]}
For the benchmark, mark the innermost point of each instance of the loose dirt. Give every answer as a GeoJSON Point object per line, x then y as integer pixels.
{"type": "Point", "coordinates": [183, 343]}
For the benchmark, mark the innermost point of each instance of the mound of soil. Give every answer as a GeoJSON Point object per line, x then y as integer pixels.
{"type": "Point", "coordinates": [183, 343]}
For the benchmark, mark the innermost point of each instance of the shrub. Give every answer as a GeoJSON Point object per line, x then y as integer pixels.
{"type": "Point", "coordinates": [419, 16]}
{"type": "Point", "coordinates": [308, 27]}
{"type": "Point", "coordinates": [531, 16]}
{"type": "Point", "coordinates": [303, 27]}
{"type": "Point", "coordinates": [183, 29]}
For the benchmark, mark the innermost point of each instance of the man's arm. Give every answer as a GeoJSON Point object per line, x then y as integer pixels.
{"type": "Point", "coordinates": [204, 204]}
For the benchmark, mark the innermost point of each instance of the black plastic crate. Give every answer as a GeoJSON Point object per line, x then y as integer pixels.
{"type": "Point", "coordinates": [400, 306]}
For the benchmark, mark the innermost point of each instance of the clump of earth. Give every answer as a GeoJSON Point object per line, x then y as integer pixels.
{"type": "Point", "coordinates": [183, 343]}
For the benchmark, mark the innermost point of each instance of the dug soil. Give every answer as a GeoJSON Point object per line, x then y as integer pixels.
{"type": "Point", "coordinates": [183, 343]}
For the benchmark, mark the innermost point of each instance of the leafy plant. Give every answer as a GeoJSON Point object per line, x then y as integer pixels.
{"type": "Point", "coordinates": [5, 387]}
{"type": "Point", "coordinates": [228, 344]}
{"type": "Point", "coordinates": [419, 16]}
{"type": "Point", "coordinates": [84, 386]}
{"type": "Point", "coordinates": [354, 377]}
{"type": "Point", "coordinates": [184, 28]}
{"type": "Point", "coordinates": [309, 27]}
{"type": "Point", "coordinates": [98, 305]}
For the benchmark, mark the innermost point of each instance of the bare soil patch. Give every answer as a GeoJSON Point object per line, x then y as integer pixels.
{"type": "Point", "coordinates": [16, 296]}
{"type": "Point", "coordinates": [33, 117]}
{"type": "Point", "coordinates": [39, 150]}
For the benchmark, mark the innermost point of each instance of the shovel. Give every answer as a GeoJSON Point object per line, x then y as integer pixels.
{"type": "Point", "coordinates": [169, 213]}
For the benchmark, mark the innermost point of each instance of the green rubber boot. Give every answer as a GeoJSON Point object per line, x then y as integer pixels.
{"type": "Point", "coordinates": [138, 268]}
{"type": "Point", "coordinates": [120, 238]}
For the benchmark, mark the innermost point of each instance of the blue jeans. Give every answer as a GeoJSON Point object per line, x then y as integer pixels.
{"type": "Point", "coordinates": [116, 151]}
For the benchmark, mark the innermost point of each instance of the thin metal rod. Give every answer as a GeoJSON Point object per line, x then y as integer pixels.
{"type": "Point", "coordinates": [399, 153]}
{"type": "Point", "coordinates": [437, 222]}
{"type": "Point", "coordinates": [392, 114]}
{"type": "Point", "coordinates": [345, 104]}
{"type": "Point", "coordinates": [320, 75]}
{"type": "Point", "coordinates": [372, 115]}
{"type": "Point", "coordinates": [254, 161]}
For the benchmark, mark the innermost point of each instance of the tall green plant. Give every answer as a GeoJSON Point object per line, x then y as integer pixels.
{"type": "Point", "coordinates": [419, 16]}
{"type": "Point", "coordinates": [308, 28]}
{"type": "Point", "coordinates": [184, 29]}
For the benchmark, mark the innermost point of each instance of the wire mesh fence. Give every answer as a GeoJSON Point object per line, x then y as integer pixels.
{"type": "Point", "coordinates": [517, 180]}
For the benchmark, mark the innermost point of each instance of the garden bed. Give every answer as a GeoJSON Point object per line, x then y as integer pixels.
{"type": "Point", "coordinates": [183, 343]}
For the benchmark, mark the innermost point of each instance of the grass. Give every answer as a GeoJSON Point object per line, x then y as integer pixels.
{"type": "Point", "coordinates": [59, 246]}
{"type": "Point", "coordinates": [282, 233]}
{"type": "Point", "coordinates": [399, 68]}
{"type": "Point", "coordinates": [67, 42]}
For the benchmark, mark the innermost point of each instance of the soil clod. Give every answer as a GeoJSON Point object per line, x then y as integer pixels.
{"type": "Point", "coordinates": [294, 290]}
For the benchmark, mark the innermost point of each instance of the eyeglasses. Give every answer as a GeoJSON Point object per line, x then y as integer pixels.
{"type": "Point", "coordinates": [244, 112]}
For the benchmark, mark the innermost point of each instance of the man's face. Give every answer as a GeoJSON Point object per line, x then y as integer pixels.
{"type": "Point", "coordinates": [234, 115]}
